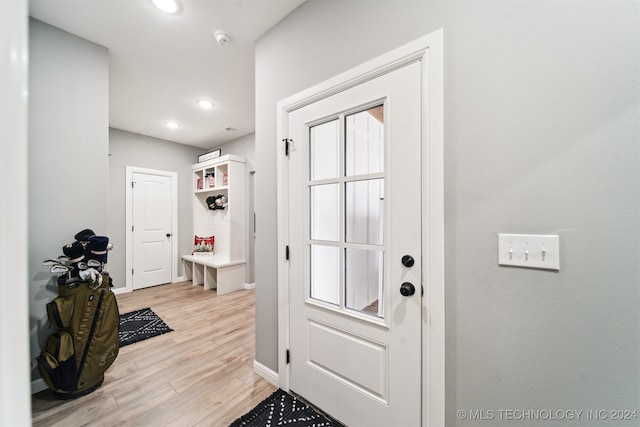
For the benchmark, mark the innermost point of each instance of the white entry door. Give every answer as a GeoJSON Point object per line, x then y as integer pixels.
{"type": "Point", "coordinates": [152, 234]}
{"type": "Point", "coordinates": [355, 251]}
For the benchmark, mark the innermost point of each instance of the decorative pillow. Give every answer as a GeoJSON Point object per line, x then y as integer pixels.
{"type": "Point", "coordinates": [203, 244]}
{"type": "Point", "coordinates": [197, 240]}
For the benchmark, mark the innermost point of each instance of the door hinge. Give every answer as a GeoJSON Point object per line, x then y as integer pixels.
{"type": "Point", "coordinates": [132, 227]}
{"type": "Point", "coordinates": [132, 184]}
{"type": "Point", "coordinates": [286, 252]}
{"type": "Point", "coordinates": [288, 356]}
{"type": "Point", "coordinates": [287, 142]}
{"type": "Point", "coordinates": [132, 271]}
{"type": "Point", "coordinates": [421, 290]}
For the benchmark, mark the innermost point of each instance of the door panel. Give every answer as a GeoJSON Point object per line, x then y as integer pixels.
{"type": "Point", "coordinates": [151, 224]}
{"type": "Point", "coordinates": [354, 212]}
{"type": "Point", "coordinates": [360, 363]}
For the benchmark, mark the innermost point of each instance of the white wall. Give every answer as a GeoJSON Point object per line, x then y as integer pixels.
{"type": "Point", "coordinates": [68, 157]}
{"type": "Point", "coordinates": [245, 147]}
{"type": "Point", "coordinates": [130, 149]}
{"type": "Point", "coordinates": [541, 136]}
{"type": "Point", "coordinates": [15, 407]}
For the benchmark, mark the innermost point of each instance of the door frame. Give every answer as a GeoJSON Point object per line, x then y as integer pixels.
{"type": "Point", "coordinates": [130, 170]}
{"type": "Point", "coordinates": [429, 50]}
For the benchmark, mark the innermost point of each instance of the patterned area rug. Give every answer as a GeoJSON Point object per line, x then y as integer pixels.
{"type": "Point", "coordinates": [140, 325]}
{"type": "Point", "coordinates": [282, 409]}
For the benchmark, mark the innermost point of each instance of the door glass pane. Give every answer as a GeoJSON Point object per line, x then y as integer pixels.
{"type": "Point", "coordinates": [347, 208]}
{"type": "Point", "coordinates": [364, 279]}
{"type": "Point", "coordinates": [364, 208]}
{"type": "Point", "coordinates": [364, 142]}
{"type": "Point", "coordinates": [325, 212]}
{"type": "Point", "coordinates": [324, 141]}
{"type": "Point", "coordinates": [325, 273]}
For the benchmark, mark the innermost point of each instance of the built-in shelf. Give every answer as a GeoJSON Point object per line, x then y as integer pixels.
{"type": "Point", "coordinates": [223, 175]}
{"type": "Point", "coordinates": [211, 177]}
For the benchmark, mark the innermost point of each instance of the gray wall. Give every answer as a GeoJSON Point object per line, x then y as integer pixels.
{"type": "Point", "coordinates": [68, 156]}
{"type": "Point", "coordinates": [245, 147]}
{"type": "Point", "coordinates": [541, 136]}
{"type": "Point", "coordinates": [130, 149]}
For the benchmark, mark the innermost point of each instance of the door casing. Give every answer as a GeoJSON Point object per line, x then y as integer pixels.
{"type": "Point", "coordinates": [130, 170]}
{"type": "Point", "coordinates": [429, 50]}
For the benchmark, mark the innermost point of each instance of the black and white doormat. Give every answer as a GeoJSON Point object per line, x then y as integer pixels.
{"type": "Point", "coordinates": [140, 325]}
{"type": "Point", "coordinates": [282, 409]}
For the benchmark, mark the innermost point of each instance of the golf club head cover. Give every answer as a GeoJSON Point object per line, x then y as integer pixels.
{"type": "Point", "coordinates": [76, 252]}
{"type": "Point", "coordinates": [98, 248]}
{"type": "Point", "coordinates": [91, 275]}
{"type": "Point", "coordinates": [84, 235]}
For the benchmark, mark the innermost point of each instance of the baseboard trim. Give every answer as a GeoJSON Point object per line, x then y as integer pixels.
{"type": "Point", "coordinates": [38, 385]}
{"type": "Point", "coordinates": [124, 289]}
{"type": "Point", "coordinates": [266, 373]}
{"type": "Point", "coordinates": [249, 285]}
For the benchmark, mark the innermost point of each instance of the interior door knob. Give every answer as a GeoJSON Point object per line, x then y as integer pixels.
{"type": "Point", "coordinates": [168, 234]}
{"type": "Point", "coordinates": [408, 261]}
{"type": "Point", "coordinates": [407, 289]}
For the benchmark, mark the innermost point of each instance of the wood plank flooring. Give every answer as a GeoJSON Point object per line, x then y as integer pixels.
{"type": "Point", "coordinates": [201, 374]}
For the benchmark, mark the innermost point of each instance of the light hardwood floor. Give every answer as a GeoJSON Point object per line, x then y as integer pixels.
{"type": "Point", "coordinates": [201, 374]}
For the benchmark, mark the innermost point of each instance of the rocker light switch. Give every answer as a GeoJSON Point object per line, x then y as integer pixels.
{"type": "Point", "coordinates": [529, 251]}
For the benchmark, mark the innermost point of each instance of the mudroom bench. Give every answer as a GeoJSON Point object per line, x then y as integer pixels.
{"type": "Point", "coordinates": [214, 272]}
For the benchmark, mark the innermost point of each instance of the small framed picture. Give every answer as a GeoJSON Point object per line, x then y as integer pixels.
{"type": "Point", "coordinates": [208, 156]}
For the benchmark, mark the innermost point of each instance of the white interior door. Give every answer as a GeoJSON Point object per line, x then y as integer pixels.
{"type": "Point", "coordinates": [152, 223]}
{"type": "Point", "coordinates": [354, 219]}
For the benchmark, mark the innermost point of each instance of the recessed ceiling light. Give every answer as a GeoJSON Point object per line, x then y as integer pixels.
{"type": "Point", "coordinates": [167, 6]}
{"type": "Point", "coordinates": [204, 103]}
{"type": "Point", "coordinates": [172, 125]}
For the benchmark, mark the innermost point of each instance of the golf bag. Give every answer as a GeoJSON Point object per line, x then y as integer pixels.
{"type": "Point", "coordinates": [75, 358]}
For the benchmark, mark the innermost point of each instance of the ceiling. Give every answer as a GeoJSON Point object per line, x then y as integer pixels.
{"type": "Point", "coordinates": [160, 64]}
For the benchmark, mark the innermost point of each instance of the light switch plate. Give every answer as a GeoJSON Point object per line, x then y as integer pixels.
{"type": "Point", "coordinates": [529, 251]}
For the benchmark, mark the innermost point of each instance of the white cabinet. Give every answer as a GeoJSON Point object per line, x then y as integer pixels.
{"type": "Point", "coordinates": [224, 176]}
